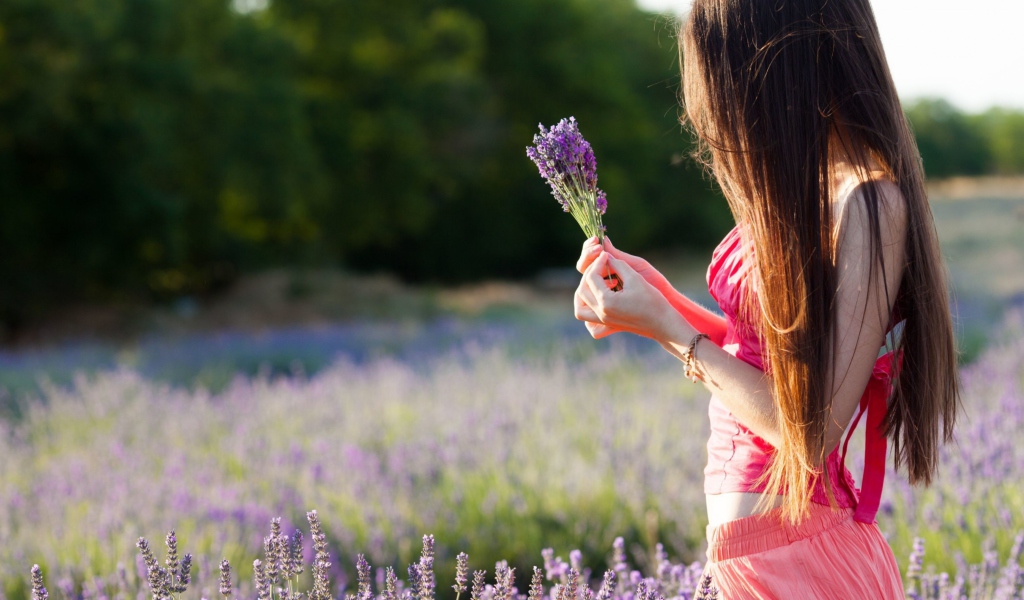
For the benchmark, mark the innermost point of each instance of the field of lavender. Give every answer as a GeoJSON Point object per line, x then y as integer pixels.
{"type": "Point", "coordinates": [490, 421]}
{"type": "Point", "coordinates": [495, 452]}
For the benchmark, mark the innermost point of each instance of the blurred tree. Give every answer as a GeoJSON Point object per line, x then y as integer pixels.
{"type": "Point", "coordinates": [147, 146]}
{"type": "Point", "coordinates": [154, 148]}
{"type": "Point", "coordinates": [1004, 132]}
{"type": "Point", "coordinates": [948, 142]}
{"type": "Point", "coordinates": [439, 102]}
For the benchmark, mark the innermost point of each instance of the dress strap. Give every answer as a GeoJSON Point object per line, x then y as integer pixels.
{"type": "Point", "coordinates": [875, 403]}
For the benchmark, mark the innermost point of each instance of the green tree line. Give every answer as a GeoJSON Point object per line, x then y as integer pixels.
{"type": "Point", "coordinates": [952, 142]}
{"type": "Point", "coordinates": [155, 148]}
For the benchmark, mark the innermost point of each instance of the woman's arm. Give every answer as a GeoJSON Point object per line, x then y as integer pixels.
{"type": "Point", "coordinates": [862, 318]}
{"type": "Point", "coordinates": [700, 317]}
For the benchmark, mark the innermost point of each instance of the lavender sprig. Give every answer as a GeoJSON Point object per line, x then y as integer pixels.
{"type": "Point", "coordinates": [225, 579]}
{"type": "Point", "coordinates": [321, 583]}
{"type": "Point", "coordinates": [414, 581]}
{"type": "Point", "coordinates": [607, 586]}
{"type": "Point", "coordinates": [504, 579]}
{"type": "Point", "coordinates": [159, 578]}
{"type": "Point", "coordinates": [390, 585]}
{"type": "Point", "coordinates": [295, 567]}
{"type": "Point", "coordinates": [273, 551]}
{"type": "Point", "coordinates": [567, 162]}
{"type": "Point", "coordinates": [477, 592]}
{"type": "Point", "coordinates": [184, 574]}
{"type": "Point", "coordinates": [172, 559]}
{"type": "Point", "coordinates": [914, 567]}
{"type": "Point", "coordinates": [38, 589]}
{"type": "Point", "coordinates": [706, 591]}
{"type": "Point", "coordinates": [364, 589]}
{"type": "Point", "coordinates": [426, 572]}
{"type": "Point", "coordinates": [461, 574]}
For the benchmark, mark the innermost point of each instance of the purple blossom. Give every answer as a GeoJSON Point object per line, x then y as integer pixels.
{"type": "Point", "coordinates": [566, 161]}
{"type": "Point", "coordinates": [477, 592]}
{"type": "Point", "coordinates": [364, 589]}
{"type": "Point", "coordinates": [536, 585]}
{"type": "Point", "coordinates": [707, 590]}
{"type": "Point", "coordinates": [38, 589]}
{"type": "Point", "coordinates": [262, 583]}
{"type": "Point", "coordinates": [390, 585]}
{"type": "Point", "coordinates": [426, 571]}
{"type": "Point", "coordinates": [321, 559]}
{"type": "Point", "coordinates": [415, 580]}
{"type": "Point", "coordinates": [461, 573]}
{"type": "Point", "coordinates": [607, 586]}
{"type": "Point", "coordinates": [225, 578]}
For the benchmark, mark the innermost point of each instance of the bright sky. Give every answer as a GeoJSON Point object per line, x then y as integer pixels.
{"type": "Point", "coordinates": [971, 53]}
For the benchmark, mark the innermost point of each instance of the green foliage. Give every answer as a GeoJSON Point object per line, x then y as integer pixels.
{"type": "Point", "coordinates": [1004, 131]}
{"type": "Point", "coordinates": [955, 143]}
{"type": "Point", "coordinates": [155, 148]}
{"type": "Point", "coordinates": [151, 145]}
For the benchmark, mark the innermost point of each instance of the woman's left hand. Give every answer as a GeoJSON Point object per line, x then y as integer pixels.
{"type": "Point", "coordinates": [638, 307]}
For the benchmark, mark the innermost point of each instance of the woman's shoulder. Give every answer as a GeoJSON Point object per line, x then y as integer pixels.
{"type": "Point", "coordinates": [853, 204]}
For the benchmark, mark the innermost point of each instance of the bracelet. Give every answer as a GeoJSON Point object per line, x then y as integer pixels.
{"type": "Point", "coordinates": [690, 369]}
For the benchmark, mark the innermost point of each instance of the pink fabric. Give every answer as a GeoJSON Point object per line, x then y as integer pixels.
{"type": "Point", "coordinates": [736, 456]}
{"type": "Point", "coordinates": [824, 557]}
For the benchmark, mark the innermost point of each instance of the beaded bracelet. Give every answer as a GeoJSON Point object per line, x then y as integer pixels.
{"type": "Point", "coordinates": [690, 369]}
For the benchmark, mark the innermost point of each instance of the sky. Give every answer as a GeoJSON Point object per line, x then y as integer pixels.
{"type": "Point", "coordinates": [970, 53]}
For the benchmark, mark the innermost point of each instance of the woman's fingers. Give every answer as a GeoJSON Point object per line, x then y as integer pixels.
{"type": "Point", "coordinates": [603, 266]}
{"type": "Point", "coordinates": [599, 330]}
{"type": "Point", "coordinates": [634, 261]}
{"type": "Point", "coordinates": [623, 269]}
{"type": "Point", "coordinates": [583, 302]}
{"type": "Point", "coordinates": [593, 277]}
{"type": "Point", "coordinates": [590, 251]}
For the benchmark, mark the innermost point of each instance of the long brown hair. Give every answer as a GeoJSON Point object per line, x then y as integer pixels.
{"type": "Point", "coordinates": [773, 89]}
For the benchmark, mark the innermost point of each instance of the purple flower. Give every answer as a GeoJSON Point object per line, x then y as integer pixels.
{"type": "Point", "coordinates": [414, 580]}
{"type": "Point", "coordinates": [390, 585]}
{"type": "Point", "coordinates": [567, 162]}
{"type": "Point", "coordinates": [426, 571]}
{"type": "Point", "coordinates": [261, 581]}
{"type": "Point", "coordinates": [159, 578]}
{"type": "Point", "coordinates": [225, 578]}
{"type": "Point", "coordinates": [38, 589]}
{"type": "Point", "coordinates": [364, 591]}
{"type": "Point", "coordinates": [607, 586]}
{"type": "Point", "coordinates": [184, 574]}
{"type": "Point", "coordinates": [295, 555]}
{"type": "Point", "coordinates": [478, 585]}
{"type": "Point", "coordinates": [504, 579]}
{"type": "Point", "coordinates": [537, 585]}
{"type": "Point", "coordinates": [321, 560]}
{"type": "Point", "coordinates": [707, 591]}
{"type": "Point", "coordinates": [461, 573]}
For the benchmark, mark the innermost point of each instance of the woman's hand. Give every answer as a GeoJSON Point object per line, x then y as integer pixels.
{"type": "Point", "coordinates": [643, 268]}
{"type": "Point", "coordinates": [637, 308]}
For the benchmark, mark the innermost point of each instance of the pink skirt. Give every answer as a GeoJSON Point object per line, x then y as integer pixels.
{"type": "Point", "coordinates": [828, 555]}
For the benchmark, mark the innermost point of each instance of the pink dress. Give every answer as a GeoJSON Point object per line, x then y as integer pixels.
{"type": "Point", "coordinates": [831, 554]}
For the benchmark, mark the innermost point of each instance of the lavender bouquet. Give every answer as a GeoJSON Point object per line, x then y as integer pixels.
{"type": "Point", "coordinates": [567, 162]}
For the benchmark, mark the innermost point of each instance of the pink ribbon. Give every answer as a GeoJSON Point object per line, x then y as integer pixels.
{"type": "Point", "coordinates": [875, 403]}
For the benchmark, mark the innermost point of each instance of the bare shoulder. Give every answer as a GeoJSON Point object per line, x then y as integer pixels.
{"type": "Point", "coordinates": [852, 210]}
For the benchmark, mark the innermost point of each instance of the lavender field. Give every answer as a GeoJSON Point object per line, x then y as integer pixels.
{"type": "Point", "coordinates": [496, 453]}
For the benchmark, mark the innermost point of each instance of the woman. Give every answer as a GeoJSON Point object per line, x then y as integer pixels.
{"type": "Point", "coordinates": [834, 249]}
